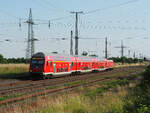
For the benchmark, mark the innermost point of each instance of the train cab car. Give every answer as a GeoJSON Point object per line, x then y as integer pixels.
{"type": "Point", "coordinates": [37, 63]}
{"type": "Point", "coordinates": [48, 64]}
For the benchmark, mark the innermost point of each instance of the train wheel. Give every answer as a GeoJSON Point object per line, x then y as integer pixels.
{"type": "Point", "coordinates": [50, 77]}
{"type": "Point", "coordinates": [44, 77]}
{"type": "Point", "coordinates": [72, 74]}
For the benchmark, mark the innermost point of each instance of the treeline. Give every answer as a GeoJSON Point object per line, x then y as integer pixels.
{"type": "Point", "coordinates": [115, 59]}
{"type": "Point", "coordinates": [13, 60]}
{"type": "Point", "coordinates": [127, 60]}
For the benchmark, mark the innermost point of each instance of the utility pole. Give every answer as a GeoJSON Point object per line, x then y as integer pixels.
{"type": "Point", "coordinates": [76, 31]}
{"type": "Point", "coordinates": [30, 46]}
{"type": "Point", "coordinates": [106, 51]}
{"type": "Point", "coordinates": [134, 55]}
{"type": "Point", "coordinates": [71, 44]}
{"type": "Point", "coordinates": [122, 51]}
{"type": "Point", "coordinates": [129, 53]}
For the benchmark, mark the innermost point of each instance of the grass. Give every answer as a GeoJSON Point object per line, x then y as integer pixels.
{"type": "Point", "coordinates": [106, 98]}
{"type": "Point", "coordinates": [10, 96]}
{"type": "Point", "coordinates": [75, 83]}
{"type": "Point", "coordinates": [13, 70]}
{"type": "Point", "coordinates": [105, 85]}
{"type": "Point", "coordinates": [132, 64]}
{"type": "Point", "coordinates": [74, 103]}
{"type": "Point", "coordinates": [78, 101]}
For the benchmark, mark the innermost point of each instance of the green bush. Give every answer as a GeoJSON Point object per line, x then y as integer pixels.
{"type": "Point", "coordinates": [138, 100]}
{"type": "Point", "coordinates": [143, 109]}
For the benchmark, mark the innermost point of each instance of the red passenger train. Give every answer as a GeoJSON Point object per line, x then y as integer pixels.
{"type": "Point", "coordinates": [48, 65]}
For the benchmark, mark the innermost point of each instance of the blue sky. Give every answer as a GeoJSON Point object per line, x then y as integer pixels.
{"type": "Point", "coordinates": [128, 22]}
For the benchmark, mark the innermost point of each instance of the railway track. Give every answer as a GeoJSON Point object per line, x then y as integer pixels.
{"type": "Point", "coordinates": [5, 85]}
{"type": "Point", "coordinates": [31, 87]}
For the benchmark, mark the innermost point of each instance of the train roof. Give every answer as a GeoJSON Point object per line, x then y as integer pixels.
{"type": "Point", "coordinates": [60, 57]}
{"type": "Point", "coordinates": [42, 55]}
{"type": "Point", "coordinates": [52, 56]}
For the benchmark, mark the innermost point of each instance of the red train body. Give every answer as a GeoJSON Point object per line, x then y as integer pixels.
{"type": "Point", "coordinates": [49, 65]}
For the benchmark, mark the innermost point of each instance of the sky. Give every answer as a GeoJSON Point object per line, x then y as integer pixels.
{"type": "Point", "coordinates": [118, 20]}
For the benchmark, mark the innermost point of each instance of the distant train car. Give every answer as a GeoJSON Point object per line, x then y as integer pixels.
{"type": "Point", "coordinates": [47, 65]}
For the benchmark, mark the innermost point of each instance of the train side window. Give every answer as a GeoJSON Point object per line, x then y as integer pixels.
{"type": "Point", "coordinates": [79, 63]}
{"type": "Point", "coordinates": [47, 63]}
{"type": "Point", "coordinates": [72, 63]}
{"type": "Point", "coordinates": [51, 63]}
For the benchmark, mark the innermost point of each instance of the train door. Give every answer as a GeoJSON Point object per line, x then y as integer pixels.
{"type": "Point", "coordinates": [93, 65]}
{"type": "Point", "coordinates": [46, 67]}
{"type": "Point", "coordinates": [54, 68]}
{"type": "Point", "coordinates": [75, 64]}
{"type": "Point", "coordinates": [69, 67]}
{"type": "Point", "coordinates": [51, 66]}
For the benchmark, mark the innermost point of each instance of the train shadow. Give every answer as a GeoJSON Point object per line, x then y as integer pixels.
{"type": "Point", "coordinates": [26, 76]}
{"type": "Point", "coordinates": [19, 76]}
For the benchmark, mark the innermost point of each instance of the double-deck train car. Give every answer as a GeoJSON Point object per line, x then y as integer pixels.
{"type": "Point", "coordinates": [48, 65]}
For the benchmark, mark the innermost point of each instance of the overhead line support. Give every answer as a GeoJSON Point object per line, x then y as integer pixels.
{"type": "Point", "coordinates": [76, 31]}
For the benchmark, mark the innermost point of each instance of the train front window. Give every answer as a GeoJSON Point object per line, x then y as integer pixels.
{"type": "Point", "coordinates": [35, 63]}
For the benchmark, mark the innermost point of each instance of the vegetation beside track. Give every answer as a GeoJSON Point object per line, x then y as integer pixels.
{"type": "Point", "coordinates": [113, 96]}
{"type": "Point", "coordinates": [138, 98]}
{"type": "Point", "coordinates": [19, 92]}
{"type": "Point", "coordinates": [13, 70]}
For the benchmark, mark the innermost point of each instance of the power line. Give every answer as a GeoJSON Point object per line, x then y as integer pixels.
{"type": "Point", "coordinates": [60, 9]}
{"type": "Point", "coordinates": [90, 38]}
{"type": "Point", "coordinates": [113, 6]}
{"type": "Point", "coordinates": [8, 14]}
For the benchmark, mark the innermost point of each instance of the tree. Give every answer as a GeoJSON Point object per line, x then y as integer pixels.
{"type": "Point", "coordinates": [1, 58]}
{"type": "Point", "coordinates": [93, 55]}
{"type": "Point", "coordinates": [55, 52]}
{"type": "Point", "coordinates": [84, 53]}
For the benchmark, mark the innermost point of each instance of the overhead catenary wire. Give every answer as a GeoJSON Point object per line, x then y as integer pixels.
{"type": "Point", "coordinates": [60, 18]}
{"type": "Point", "coordinates": [48, 3]}
{"type": "Point", "coordinates": [113, 6]}
{"type": "Point", "coordinates": [67, 17]}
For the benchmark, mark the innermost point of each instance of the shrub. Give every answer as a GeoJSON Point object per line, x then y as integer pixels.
{"type": "Point", "coordinates": [138, 99]}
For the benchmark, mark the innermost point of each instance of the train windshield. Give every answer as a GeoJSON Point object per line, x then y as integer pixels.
{"type": "Point", "coordinates": [37, 63]}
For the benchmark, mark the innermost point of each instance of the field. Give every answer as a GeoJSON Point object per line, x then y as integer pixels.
{"type": "Point", "coordinates": [109, 97]}
{"type": "Point", "coordinates": [13, 68]}
{"type": "Point", "coordinates": [102, 97]}
{"type": "Point", "coordinates": [9, 71]}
